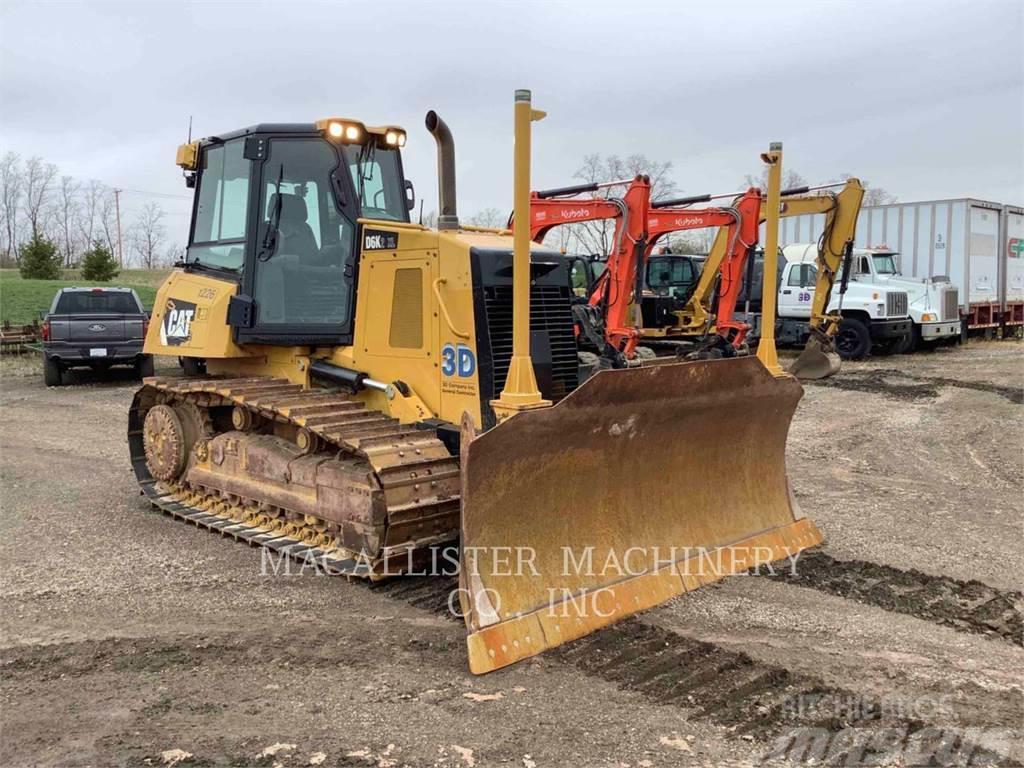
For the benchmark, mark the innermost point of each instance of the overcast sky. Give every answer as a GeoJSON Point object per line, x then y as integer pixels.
{"type": "Point", "coordinates": [925, 99]}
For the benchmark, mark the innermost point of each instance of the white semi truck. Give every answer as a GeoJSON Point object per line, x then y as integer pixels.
{"type": "Point", "coordinates": [875, 316]}
{"type": "Point", "coordinates": [933, 302]}
{"type": "Point", "coordinates": [977, 244]}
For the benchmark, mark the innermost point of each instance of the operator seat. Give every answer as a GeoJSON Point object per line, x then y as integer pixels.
{"type": "Point", "coordinates": [295, 236]}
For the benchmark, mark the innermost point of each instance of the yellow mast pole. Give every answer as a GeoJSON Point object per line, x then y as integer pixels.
{"type": "Point", "coordinates": [521, 391]}
{"type": "Point", "coordinates": [769, 294]}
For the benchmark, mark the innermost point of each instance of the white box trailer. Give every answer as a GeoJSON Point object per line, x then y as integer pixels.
{"type": "Point", "coordinates": [978, 244]}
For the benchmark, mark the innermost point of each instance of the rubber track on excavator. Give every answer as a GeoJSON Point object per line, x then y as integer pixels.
{"type": "Point", "coordinates": [400, 456]}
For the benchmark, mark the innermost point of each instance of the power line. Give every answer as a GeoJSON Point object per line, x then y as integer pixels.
{"type": "Point", "coordinates": [156, 194]}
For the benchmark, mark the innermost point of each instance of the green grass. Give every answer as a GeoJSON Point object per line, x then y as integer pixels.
{"type": "Point", "coordinates": [21, 301]}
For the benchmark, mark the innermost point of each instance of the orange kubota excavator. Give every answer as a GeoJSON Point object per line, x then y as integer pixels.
{"type": "Point", "coordinates": [610, 319]}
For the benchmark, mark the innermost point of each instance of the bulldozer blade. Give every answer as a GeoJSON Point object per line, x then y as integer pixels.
{"type": "Point", "coordinates": [819, 360]}
{"type": "Point", "coordinates": [642, 484]}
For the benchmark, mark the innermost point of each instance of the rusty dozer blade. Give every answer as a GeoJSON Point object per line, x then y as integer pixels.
{"type": "Point", "coordinates": [642, 484]}
{"type": "Point", "coordinates": [819, 360]}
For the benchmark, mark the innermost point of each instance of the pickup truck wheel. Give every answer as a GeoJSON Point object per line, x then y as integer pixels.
{"type": "Point", "coordinates": [144, 367]}
{"type": "Point", "coordinates": [51, 372]}
{"type": "Point", "coordinates": [853, 341]}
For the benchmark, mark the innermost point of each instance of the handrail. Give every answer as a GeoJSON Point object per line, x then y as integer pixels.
{"type": "Point", "coordinates": [444, 309]}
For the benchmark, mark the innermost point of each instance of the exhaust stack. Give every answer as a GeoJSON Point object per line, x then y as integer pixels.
{"type": "Point", "coordinates": [448, 217]}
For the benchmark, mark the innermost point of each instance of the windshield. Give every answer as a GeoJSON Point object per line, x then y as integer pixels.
{"type": "Point", "coordinates": [668, 272]}
{"type": "Point", "coordinates": [98, 303]}
{"type": "Point", "coordinates": [885, 263]}
{"type": "Point", "coordinates": [377, 178]}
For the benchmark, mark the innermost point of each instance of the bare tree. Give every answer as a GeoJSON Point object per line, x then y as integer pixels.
{"type": "Point", "coordinates": [67, 214]}
{"type": "Point", "coordinates": [10, 196]}
{"type": "Point", "coordinates": [89, 209]}
{"type": "Point", "coordinates": [147, 233]}
{"type": "Point", "coordinates": [174, 253]}
{"type": "Point", "coordinates": [488, 217]}
{"type": "Point", "coordinates": [872, 195]}
{"type": "Point", "coordinates": [697, 242]}
{"type": "Point", "coordinates": [430, 219]}
{"type": "Point", "coordinates": [108, 221]}
{"type": "Point", "coordinates": [596, 236]}
{"type": "Point", "coordinates": [38, 183]}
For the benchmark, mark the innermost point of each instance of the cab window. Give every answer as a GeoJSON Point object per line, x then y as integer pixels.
{"type": "Point", "coordinates": [304, 243]}
{"type": "Point", "coordinates": [803, 276]}
{"type": "Point", "coordinates": [218, 235]}
{"type": "Point", "coordinates": [885, 263]}
{"type": "Point", "coordinates": [666, 273]}
{"type": "Point", "coordinates": [377, 178]}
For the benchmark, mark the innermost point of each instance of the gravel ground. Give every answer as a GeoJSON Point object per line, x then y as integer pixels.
{"type": "Point", "coordinates": [127, 635]}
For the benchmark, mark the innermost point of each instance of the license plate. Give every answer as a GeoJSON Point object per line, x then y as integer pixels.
{"type": "Point", "coordinates": [98, 352]}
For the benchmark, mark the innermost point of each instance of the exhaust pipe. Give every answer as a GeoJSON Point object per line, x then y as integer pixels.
{"type": "Point", "coordinates": [448, 217]}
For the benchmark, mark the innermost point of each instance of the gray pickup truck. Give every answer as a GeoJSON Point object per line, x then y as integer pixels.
{"type": "Point", "coordinates": [94, 328]}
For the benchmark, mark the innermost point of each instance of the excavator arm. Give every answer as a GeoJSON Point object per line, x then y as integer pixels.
{"type": "Point", "coordinates": [738, 226]}
{"type": "Point", "coordinates": [613, 291]}
{"type": "Point", "coordinates": [840, 210]}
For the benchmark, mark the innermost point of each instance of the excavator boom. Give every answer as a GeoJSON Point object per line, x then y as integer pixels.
{"type": "Point", "coordinates": [738, 225]}
{"type": "Point", "coordinates": [840, 209]}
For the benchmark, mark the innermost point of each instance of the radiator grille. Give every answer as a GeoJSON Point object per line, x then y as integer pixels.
{"type": "Point", "coordinates": [896, 304]}
{"type": "Point", "coordinates": [951, 304]}
{"type": "Point", "coordinates": [549, 311]}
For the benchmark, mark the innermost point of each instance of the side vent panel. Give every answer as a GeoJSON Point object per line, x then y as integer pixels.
{"type": "Point", "coordinates": [407, 310]}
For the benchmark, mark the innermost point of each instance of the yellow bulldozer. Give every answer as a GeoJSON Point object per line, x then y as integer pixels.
{"type": "Point", "coordinates": [362, 391]}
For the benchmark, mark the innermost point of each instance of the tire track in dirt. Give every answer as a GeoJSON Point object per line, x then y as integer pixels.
{"type": "Point", "coordinates": [754, 700]}
{"type": "Point", "coordinates": [808, 720]}
{"type": "Point", "coordinates": [967, 606]}
{"type": "Point", "coordinates": [909, 387]}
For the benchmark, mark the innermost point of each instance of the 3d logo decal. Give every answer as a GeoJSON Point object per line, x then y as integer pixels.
{"type": "Point", "coordinates": [176, 328]}
{"type": "Point", "coordinates": [458, 360]}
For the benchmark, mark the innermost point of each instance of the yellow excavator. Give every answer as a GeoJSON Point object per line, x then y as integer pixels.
{"type": "Point", "coordinates": [818, 359]}
{"type": "Point", "coordinates": [374, 390]}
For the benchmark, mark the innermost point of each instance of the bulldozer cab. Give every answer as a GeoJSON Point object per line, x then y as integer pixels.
{"type": "Point", "coordinates": [278, 210]}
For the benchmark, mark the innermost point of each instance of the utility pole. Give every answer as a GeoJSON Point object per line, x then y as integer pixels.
{"type": "Point", "coordinates": [117, 208]}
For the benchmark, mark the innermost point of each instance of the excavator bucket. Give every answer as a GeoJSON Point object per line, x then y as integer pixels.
{"type": "Point", "coordinates": [641, 485]}
{"type": "Point", "coordinates": [819, 360]}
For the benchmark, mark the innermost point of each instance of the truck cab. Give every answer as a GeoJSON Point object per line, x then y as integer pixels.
{"type": "Point", "coordinates": [934, 302]}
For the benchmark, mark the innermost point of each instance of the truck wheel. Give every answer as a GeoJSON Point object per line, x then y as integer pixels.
{"type": "Point", "coordinates": [853, 341]}
{"type": "Point", "coordinates": [908, 343]}
{"type": "Point", "coordinates": [51, 372]}
{"type": "Point", "coordinates": [144, 367]}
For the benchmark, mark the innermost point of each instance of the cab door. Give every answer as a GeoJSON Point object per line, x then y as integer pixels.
{"type": "Point", "coordinates": [299, 274]}
{"type": "Point", "coordinates": [797, 292]}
